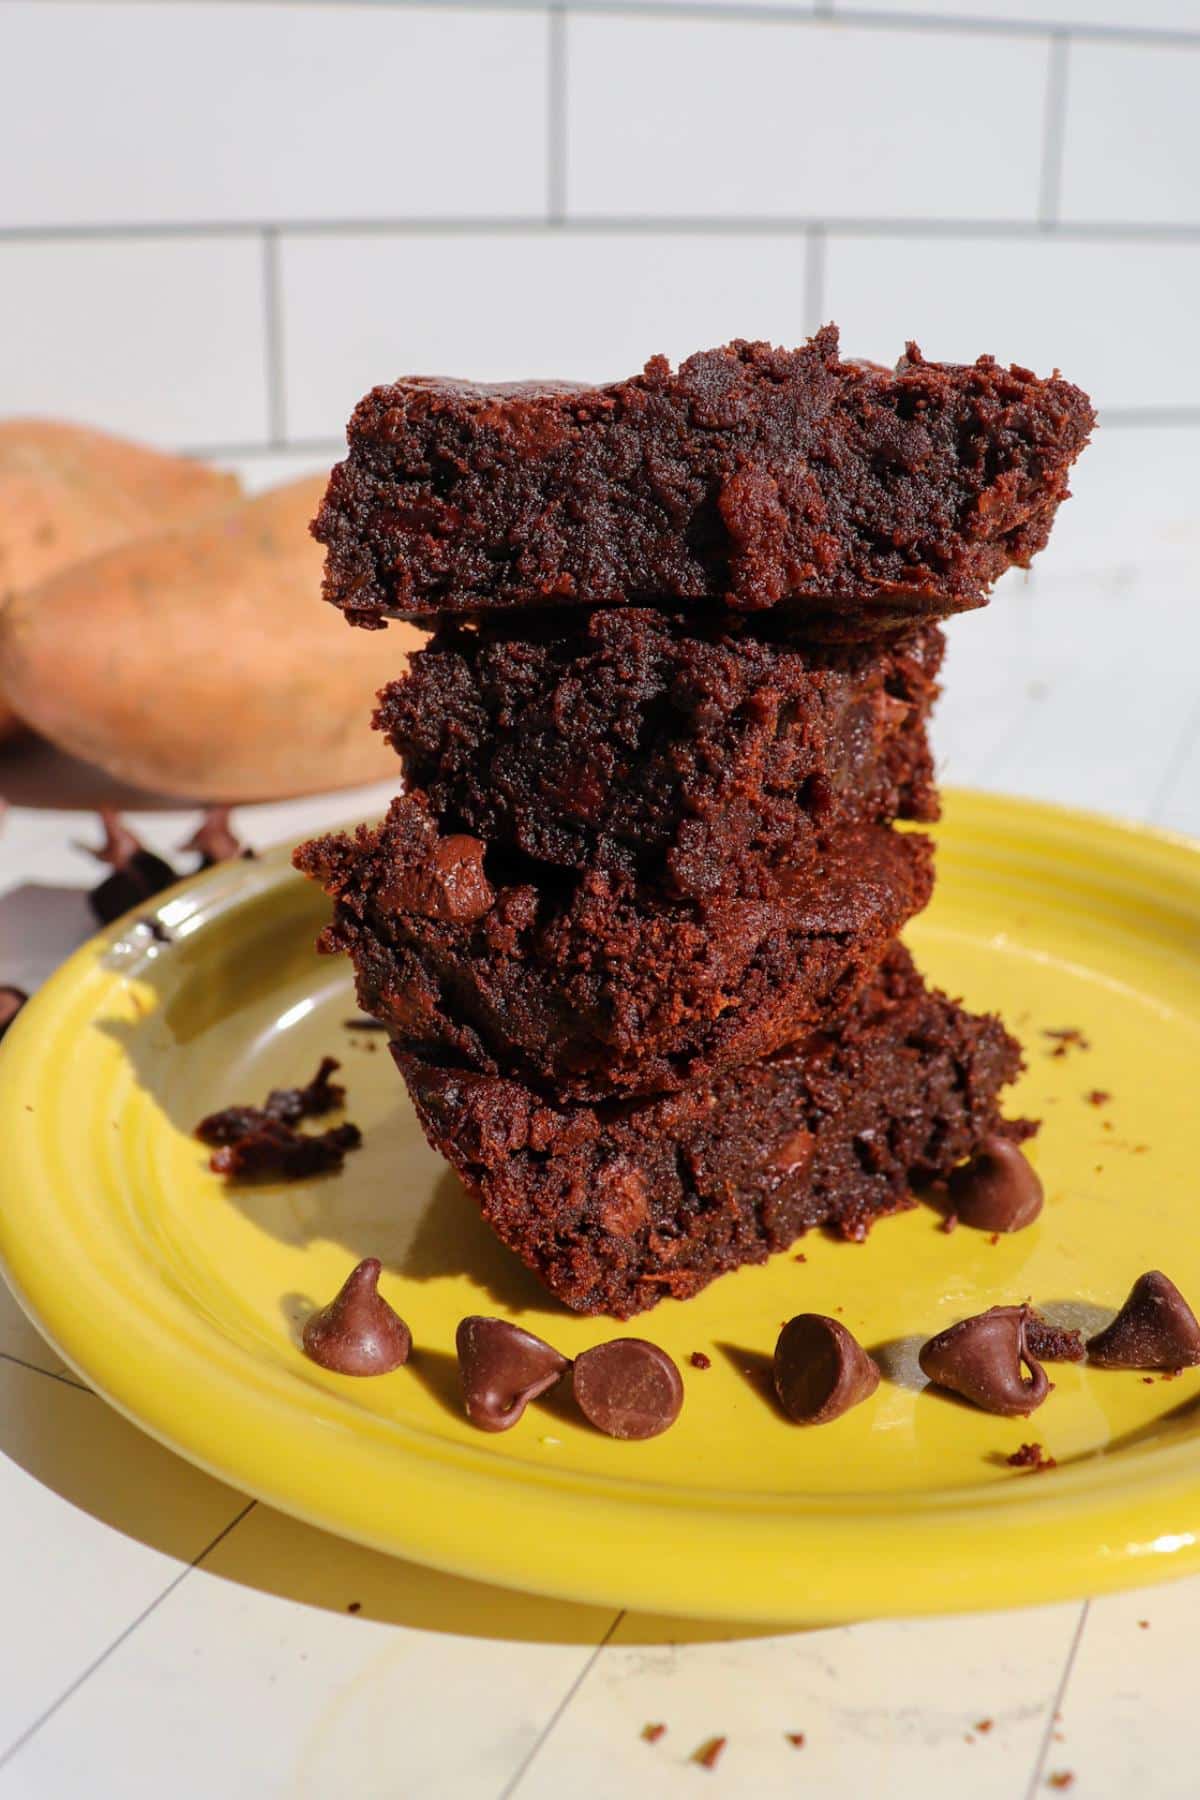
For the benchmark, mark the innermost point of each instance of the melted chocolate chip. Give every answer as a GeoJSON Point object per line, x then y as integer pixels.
{"type": "Point", "coordinates": [137, 874]}
{"type": "Point", "coordinates": [981, 1357]}
{"type": "Point", "coordinates": [998, 1190]}
{"type": "Point", "coordinates": [214, 841]}
{"type": "Point", "coordinates": [628, 1388]}
{"type": "Point", "coordinates": [503, 1368]}
{"type": "Point", "coordinates": [358, 1333]}
{"type": "Point", "coordinates": [318, 1096]}
{"type": "Point", "coordinates": [1155, 1329]}
{"type": "Point", "coordinates": [12, 999]}
{"type": "Point", "coordinates": [821, 1370]}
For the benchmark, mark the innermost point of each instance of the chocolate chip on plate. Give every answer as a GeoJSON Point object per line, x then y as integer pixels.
{"type": "Point", "coordinates": [358, 1333]}
{"type": "Point", "coordinates": [981, 1358]}
{"type": "Point", "coordinates": [214, 841]}
{"type": "Point", "coordinates": [1155, 1329]}
{"type": "Point", "coordinates": [628, 1388]}
{"type": "Point", "coordinates": [12, 999]}
{"type": "Point", "coordinates": [503, 1368]}
{"type": "Point", "coordinates": [998, 1190]}
{"type": "Point", "coordinates": [821, 1370]}
{"type": "Point", "coordinates": [137, 874]}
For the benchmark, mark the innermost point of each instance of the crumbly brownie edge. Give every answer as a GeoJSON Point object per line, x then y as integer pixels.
{"type": "Point", "coordinates": [616, 1206]}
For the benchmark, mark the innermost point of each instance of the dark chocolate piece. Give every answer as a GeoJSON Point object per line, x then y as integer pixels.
{"type": "Point", "coordinates": [358, 1333]}
{"type": "Point", "coordinates": [213, 841]}
{"type": "Point", "coordinates": [137, 873]}
{"type": "Point", "coordinates": [998, 1189]}
{"type": "Point", "coordinates": [262, 1140]}
{"type": "Point", "coordinates": [860, 498]}
{"type": "Point", "coordinates": [981, 1358]}
{"type": "Point", "coordinates": [12, 999]}
{"type": "Point", "coordinates": [503, 1368]}
{"type": "Point", "coordinates": [616, 1206]}
{"type": "Point", "coordinates": [1155, 1329]}
{"type": "Point", "coordinates": [628, 1388]}
{"type": "Point", "coordinates": [318, 1096]}
{"type": "Point", "coordinates": [820, 1370]}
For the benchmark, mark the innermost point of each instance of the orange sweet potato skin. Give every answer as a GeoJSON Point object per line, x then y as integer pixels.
{"type": "Point", "coordinates": [67, 493]}
{"type": "Point", "coordinates": [201, 661]}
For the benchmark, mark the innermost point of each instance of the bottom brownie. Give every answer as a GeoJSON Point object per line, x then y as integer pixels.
{"type": "Point", "coordinates": [618, 1204]}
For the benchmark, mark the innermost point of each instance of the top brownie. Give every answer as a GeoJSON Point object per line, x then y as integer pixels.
{"type": "Point", "coordinates": [863, 498]}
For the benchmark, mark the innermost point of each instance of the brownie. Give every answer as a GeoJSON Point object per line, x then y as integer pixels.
{"type": "Point", "coordinates": [616, 1205]}
{"type": "Point", "coordinates": [590, 984]}
{"type": "Point", "coordinates": [864, 498]}
{"type": "Point", "coordinates": [694, 750]}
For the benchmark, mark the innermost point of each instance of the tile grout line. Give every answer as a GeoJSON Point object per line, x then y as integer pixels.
{"type": "Point", "coordinates": [535, 224]}
{"type": "Point", "coordinates": [1056, 1704]}
{"type": "Point", "coordinates": [1054, 132]}
{"type": "Point", "coordinates": [32, 1730]}
{"type": "Point", "coordinates": [514, 1782]}
{"type": "Point", "coordinates": [50, 1374]}
{"type": "Point", "coordinates": [806, 12]}
{"type": "Point", "coordinates": [1176, 762]}
{"type": "Point", "coordinates": [556, 116]}
{"type": "Point", "coordinates": [273, 339]}
{"type": "Point", "coordinates": [814, 279]}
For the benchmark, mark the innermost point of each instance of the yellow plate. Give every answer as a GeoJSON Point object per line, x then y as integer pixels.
{"type": "Point", "coordinates": [179, 1298]}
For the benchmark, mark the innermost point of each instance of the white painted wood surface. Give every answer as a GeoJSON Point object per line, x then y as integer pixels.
{"type": "Point", "coordinates": [162, 1634]}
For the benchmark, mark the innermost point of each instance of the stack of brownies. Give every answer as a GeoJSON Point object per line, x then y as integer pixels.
{"type": "Point", "coordinates": [633, 925]}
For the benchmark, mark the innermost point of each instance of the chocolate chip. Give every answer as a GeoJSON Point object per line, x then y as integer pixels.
{"type": "Point", "coordinates": [628, 1388]}
{"type": "Point", "coordinates": [12, 999]}
{"type": "Point", "coordinates": [503, 1368]}
{"type": "Point", "coordinates": [137, 874]}
{"type": "Point", "coordinates": [998, 1190]}
{"type": "Point", "coordinates": [981, 1357]}
{"type": "Point", "coordinates": [358, 1333]}
{"type": "Point", "coordinates": [1155, 1329]}
{"type": "Point", "coordinates": [821, 1370]}
{"type": "Point", "coordinates": [213, 841]}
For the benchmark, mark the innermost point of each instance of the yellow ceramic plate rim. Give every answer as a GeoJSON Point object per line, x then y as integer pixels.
{"type": "Point", "coordinates": [766, 1558]}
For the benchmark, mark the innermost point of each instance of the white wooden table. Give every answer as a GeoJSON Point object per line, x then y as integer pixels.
{"type": "Point", "coordinates": [160, 1634]}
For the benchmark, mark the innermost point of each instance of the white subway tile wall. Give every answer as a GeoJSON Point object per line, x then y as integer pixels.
{"type": "Point", "coordinates": [219, 224]}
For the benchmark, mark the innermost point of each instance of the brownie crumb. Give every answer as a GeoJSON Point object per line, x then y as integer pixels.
{"type": "Point", "coordinates": [984, 1724]}
{"type": "Point", "coordinates": [1061, 1779]}
{"type": "Point", "coordinates": [652, 1733]}
{"type": "Point", "coordinates": [698, 1360]}
{"type": "Point", "coordinates": [1031, 1457]}
{"type": "Point", "coordinates": [263, 1140]}
{"type": "Point", "coordinates": [1052, 1343]}
{"type": "Point", "coordinates": [354, 1606]}
{"type": "Point", "coordinates": [1143, 1624]}
{"type": "Point", "coordinates": [710, 1752]}
{"type": "Point", "coordinates": [363, 1025]}
{"type": "Point", "coordinates": [800, 1257]}
{"type": "Point", "coordinates": [1097, 1096]}
{"type": "Point", "coordinates": [1067, 1037]}
{"type": "Point", "coordinates": [795, 1739]}
{"type": "Point", "coordinates": [950, 1223]}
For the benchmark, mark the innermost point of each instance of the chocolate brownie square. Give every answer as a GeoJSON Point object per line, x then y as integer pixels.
{"type": "Point", "coordinates": [616, 1205]}
{"type": "Point", "coordinates": [694, 750]}
{"type": "Point", "coordinates": [861, 498]}
{"type": "Point", "coordinates": [590, 984]}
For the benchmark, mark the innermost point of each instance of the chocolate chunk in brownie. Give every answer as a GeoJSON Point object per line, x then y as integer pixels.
{"type": "Point", "coordinates": [616, 1205]}
{"type": "Point", "coordinates": [695, 750]}
{"type": "Point", "coordinates": [590, 985]}
{"type": "Point", "coordinates": [864, 498]}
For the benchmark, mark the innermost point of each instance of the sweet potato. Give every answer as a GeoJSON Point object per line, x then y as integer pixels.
{"type": "Point", "coordinates": [67, 493]}
{"type": "Point", "coordinates": [202, 662]}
